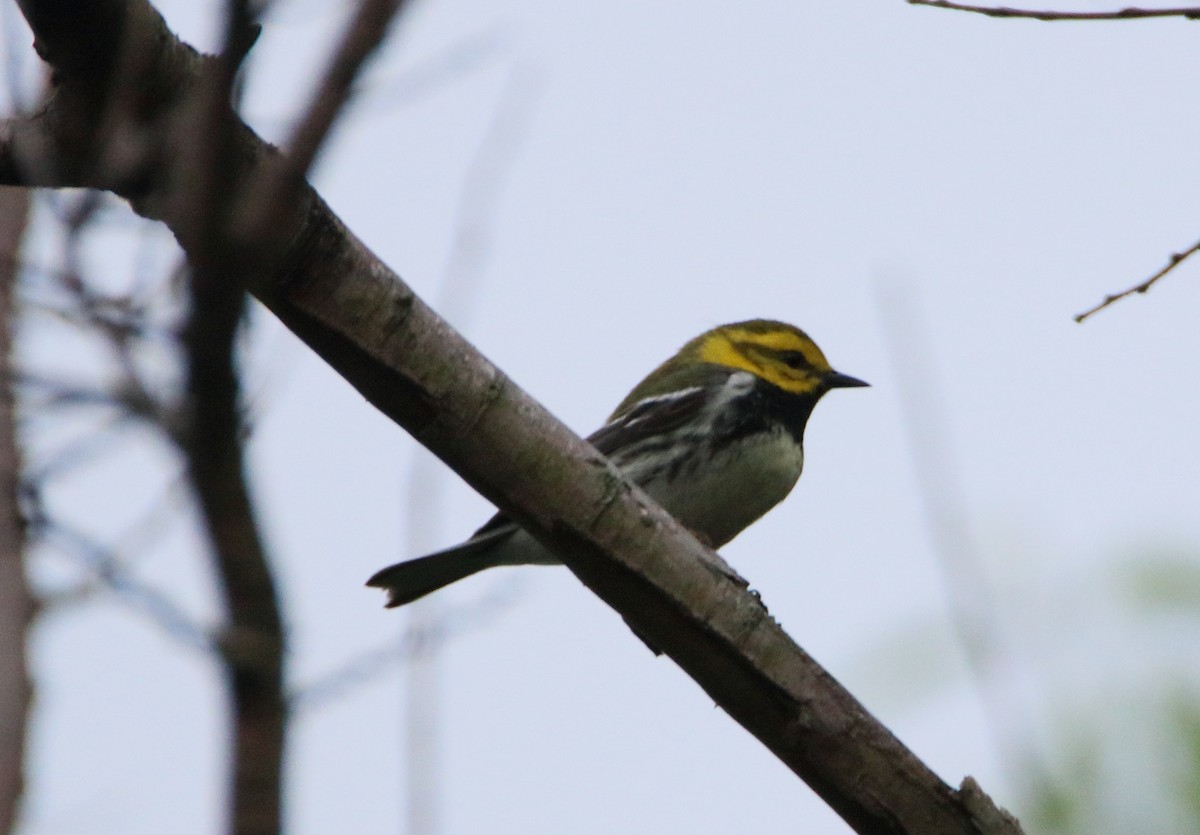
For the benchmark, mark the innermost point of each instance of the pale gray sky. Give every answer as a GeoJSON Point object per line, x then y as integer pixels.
{"type": "Point", "coordinates": [678, 165]}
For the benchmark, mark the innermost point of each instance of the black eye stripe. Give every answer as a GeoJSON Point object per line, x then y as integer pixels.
{"type": "Point", "coordinates": [763, 355]}
{"type": "Point", "coordinates": [794, 359]}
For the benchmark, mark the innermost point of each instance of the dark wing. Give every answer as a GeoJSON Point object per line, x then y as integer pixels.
{"type": "Point", "coordinates": [652, 416]}
{"type": "Point", "coordinates": [646, 418]}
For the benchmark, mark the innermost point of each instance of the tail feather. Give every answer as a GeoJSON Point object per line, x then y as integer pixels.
{"type": "Point", "coordinates": [410, 580]}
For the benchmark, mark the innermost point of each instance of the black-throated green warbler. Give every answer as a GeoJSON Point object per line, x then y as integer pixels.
{"type": "Point", "coordinates": [714, 434]}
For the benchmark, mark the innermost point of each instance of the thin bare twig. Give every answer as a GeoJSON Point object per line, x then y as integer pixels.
{"type": "Point", "coordinates": [1176, 259]}
{"type": "Point", "coordinates": [75, 453]}
{"type": "Point", "coordinates": [111, 571]}
{"type": "Point", "coordinates": [47, 393]}
{"type": "Point", "coordinates": [117, 319]}
{"type": "Point", "coordinates": [122, 324]}
{"type": "Point", "coordinates": [1188, 12]}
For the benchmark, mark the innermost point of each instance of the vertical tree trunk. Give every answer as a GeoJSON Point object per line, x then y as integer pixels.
{"type": "Point", "coordinates": [16, 603]}
{"type": "Point", "coordinates": [252, 640]}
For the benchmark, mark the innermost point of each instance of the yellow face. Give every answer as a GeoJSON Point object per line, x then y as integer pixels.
{"type": "Point", "coordinates": [778, 353]}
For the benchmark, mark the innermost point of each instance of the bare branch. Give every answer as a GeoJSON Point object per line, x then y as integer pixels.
{"type": "Point", "coordinates": [1176, 259]}
{"type": "Point", "coordinates": [122, 324]}
{"type": "Point", "coordinates": [1189, 12]}
{"type": "Point", "coordinates": [110, 570]}
{"type": "Point", "coordinates": [78, 451]}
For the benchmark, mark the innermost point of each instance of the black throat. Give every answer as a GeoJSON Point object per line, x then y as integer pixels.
{"type": "Point", "coordinates": [768, 407]}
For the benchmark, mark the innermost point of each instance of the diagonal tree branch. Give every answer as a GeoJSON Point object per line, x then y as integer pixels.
{"type": "Point", "coordinates": [350, 308]}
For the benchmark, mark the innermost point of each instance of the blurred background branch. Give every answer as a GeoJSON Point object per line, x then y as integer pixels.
{"type": "Point", "coordinates": [977, 618]}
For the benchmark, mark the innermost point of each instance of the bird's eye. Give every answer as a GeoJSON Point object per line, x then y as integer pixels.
{"type": "Point", "coordinates": [794, 359]}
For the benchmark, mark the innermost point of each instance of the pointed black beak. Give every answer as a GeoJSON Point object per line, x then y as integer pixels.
{"type": "Point", "coordinates": [837, 380]}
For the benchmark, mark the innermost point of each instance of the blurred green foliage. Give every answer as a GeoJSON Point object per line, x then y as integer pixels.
{"type": "Point", "coordinates": [1125, 752]}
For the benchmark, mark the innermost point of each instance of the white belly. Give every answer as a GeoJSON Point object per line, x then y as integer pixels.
{"type": "Point", "coordinates": [743, 482]}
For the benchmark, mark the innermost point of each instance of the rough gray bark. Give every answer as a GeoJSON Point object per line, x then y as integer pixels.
{"type": "Point", "coordinates": [16, 604]}
{"type": "Point", "coordinates": [328, 288]}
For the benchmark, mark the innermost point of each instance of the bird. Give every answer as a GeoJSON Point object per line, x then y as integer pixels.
{"type": "Point", "coordinates": [715, 435]}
